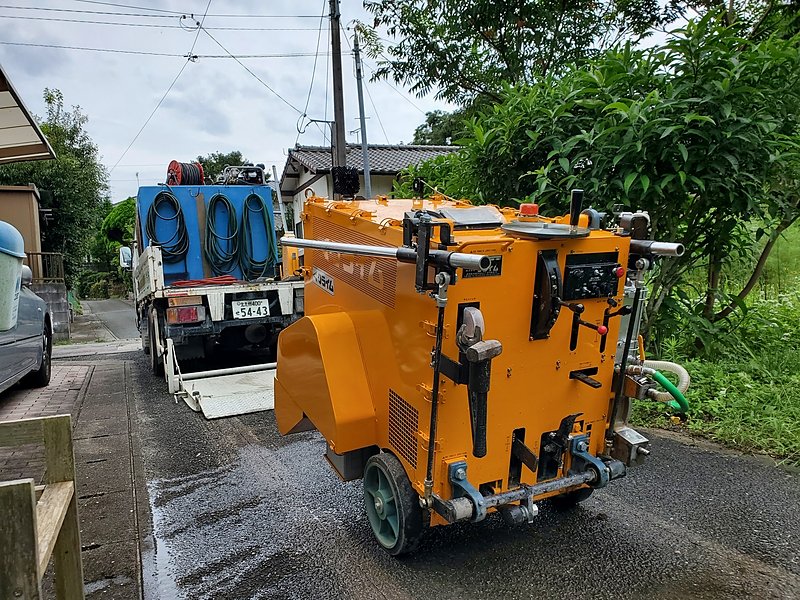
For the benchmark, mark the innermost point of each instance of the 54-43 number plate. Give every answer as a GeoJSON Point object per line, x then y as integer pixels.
{"type": "Point", "coordinates": [250, 309]}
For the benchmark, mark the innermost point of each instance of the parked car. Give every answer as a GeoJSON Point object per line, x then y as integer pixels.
{"type": "Point", "coordinates": [26, 349]}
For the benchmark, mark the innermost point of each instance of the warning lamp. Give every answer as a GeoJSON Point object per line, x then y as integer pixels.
{"type": "Point", "coordinates": [528, 210]}
{"type": "Point", "coordinates": [186, 314]}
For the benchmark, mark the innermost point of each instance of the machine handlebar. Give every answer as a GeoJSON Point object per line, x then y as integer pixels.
{"type": "Point", "coordinates": [475, 262]}
{"type": "Point", "coordinates": [656, 248]}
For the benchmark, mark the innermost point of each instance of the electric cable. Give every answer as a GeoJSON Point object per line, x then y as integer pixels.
{"type": "Point", "coordinates": [366, 88]}
{"type": "Point", "coordinates": [397, 91]}
{"type": "Point", "coordinates": [313, 70]}
{"type": "Point", "coordinates": [246, 68]}
{"type": "Point", "coordinates": [153, 25]}
{"type": "Point", "coordinates": [190, 57]}
{"type": "Point", "coordinates": [221, 251]}
{"type": "Point", "coordinates": [141, 129]}
{"type": "Point", "coordinates": [174, 249]}
{"type": "Point", "coordinates": [169, 89]}
{"type": "Point", "coordinates": [163, 10]}
{"type": "Point", "coordinates": [252, 267]}
{"type": "Point", "coordinates": [171, 13]}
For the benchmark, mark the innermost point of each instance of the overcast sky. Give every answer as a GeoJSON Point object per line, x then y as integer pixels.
{"type": "Point", "coordinates": [215, 104]}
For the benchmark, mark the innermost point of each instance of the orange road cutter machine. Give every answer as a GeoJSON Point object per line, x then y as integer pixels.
{"type": "Point", "coordinates": [467, 359]}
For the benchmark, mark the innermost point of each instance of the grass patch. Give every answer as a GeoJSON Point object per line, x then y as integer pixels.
{"type": "Point", "coordinates": [745, 390]}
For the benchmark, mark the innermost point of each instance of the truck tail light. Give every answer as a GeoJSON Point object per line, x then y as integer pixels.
{"type": "Point", "coordinates": [186, 314]}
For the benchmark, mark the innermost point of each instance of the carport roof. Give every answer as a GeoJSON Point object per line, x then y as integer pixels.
{"type": "Point", "coordinates": [20, 136]}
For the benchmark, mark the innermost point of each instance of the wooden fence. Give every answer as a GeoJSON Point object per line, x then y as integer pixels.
{"type": "Point", "coordinates": [32, 531]}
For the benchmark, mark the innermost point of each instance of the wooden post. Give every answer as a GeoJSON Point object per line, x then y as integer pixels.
{"type": "Point", "coordinates": [60, 463]}
{"type": "Point", "coordinates": [19, 567]}
{"type": "Point", "coordinates": [33, 531]}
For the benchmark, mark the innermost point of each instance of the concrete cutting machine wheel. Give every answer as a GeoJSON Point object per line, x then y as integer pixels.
{"type": "Point", "coordinates": [392, 505]}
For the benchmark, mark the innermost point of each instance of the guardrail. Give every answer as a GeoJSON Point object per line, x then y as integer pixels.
{"type": "Point", "coordinates": [34, 530]}
{"type": "Point", "coordinates": [47, 267]}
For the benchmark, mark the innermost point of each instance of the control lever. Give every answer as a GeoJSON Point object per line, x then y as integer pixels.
{"type": "Point", "coordinates": [575, 208]}
{"type": "Point", "coordinates": [608, 314]}
{"type": "Point", "coordinates": [577, 310]}
{"type": "Point", "coordinates": [479, 354]}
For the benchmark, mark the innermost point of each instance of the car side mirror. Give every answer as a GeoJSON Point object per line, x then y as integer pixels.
{"type": "Point", "coordinates": [125, 258]}
{"type": "Point", "coordinates": [27, 276]}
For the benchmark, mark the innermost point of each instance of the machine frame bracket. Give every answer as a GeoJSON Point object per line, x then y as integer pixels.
{"type": "Point", "coordinates": [583, 460]}
{"type": "Point", "coordinates": [457, 474]}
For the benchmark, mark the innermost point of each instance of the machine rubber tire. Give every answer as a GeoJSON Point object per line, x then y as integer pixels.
{"type": "Point", "coordinates": [41, 377]}
{"type": "Point", "coordinates": [571, 499]}
{"type": "Point", "coordinates": [387, 494]}
{"type": "Point", "coordinates": [156, 362]}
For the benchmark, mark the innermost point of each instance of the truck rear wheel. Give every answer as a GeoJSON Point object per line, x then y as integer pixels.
{"type": "Point", "coordinates": [392, 505]}
{"type": "Point", "coordinates": [156, 362]}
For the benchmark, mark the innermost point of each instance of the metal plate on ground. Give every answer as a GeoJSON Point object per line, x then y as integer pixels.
{"type": "Point", "coordinates": [237, 394]}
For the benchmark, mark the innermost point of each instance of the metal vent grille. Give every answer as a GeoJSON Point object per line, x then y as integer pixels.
{"type": "Point", "coordinates": [375, 277]}
{"type": "Point", "coordinates": [403, 427]}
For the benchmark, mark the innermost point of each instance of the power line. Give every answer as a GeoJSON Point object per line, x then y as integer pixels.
{"type": "Point", "coordinates": [87, 12]}
{"type": "Point", "coordinates": [153, 25]}
{"type": "Point", "coordinates": [172, 55]}
{"type": "Point", "coordinates": [115, 51]}
{"type": "Point", "coordinates": [161, 10]}
{"type": "Point", "coordinates": [399, 93]}
{"type": "Point", "coordinates": [327, 89]}
{"type": "Point", "coordinates": [313, 73]}
{"type": "Point", "coordinates": [246, 68]}
{"type": "Point", "coordinates": [366, 88]}
{"type": "Point", "coordinates": [199, 28]}
{"type": "Point", "coordinates": [169, 89]}
{"type": "Point", "coordinates": [141, 129]}
{"type": "Point", "coordinates": [374, 108]}
{"type": "Point", "coordinates": [172, 13]}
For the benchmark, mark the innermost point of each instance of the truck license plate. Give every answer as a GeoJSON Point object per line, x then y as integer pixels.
{"type": "Point", "coordinates": [250, 309]}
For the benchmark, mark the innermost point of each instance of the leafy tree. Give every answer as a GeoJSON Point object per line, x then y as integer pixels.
{"type": "Point", "coordinates": [118, 224]}
{"type": "Point", "coordinates": [702, 133]}
{"type": "Point", "coordinates": [469, 48]}
{"type": "Point", "coordinates": [74, 185]}
{"type": "Point", "coordinates": [444, 174]}
{"type": "Point", "coordinates": [441, 128]}
{"type": "Point", "coordinates": [215, 162]}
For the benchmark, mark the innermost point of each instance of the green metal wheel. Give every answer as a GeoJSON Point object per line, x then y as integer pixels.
{"type": "Point", "coordinates": [392, 505]}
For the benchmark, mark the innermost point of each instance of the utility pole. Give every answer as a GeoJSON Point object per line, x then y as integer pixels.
{"type": "Point", "coordinates": [338, 142]}
{"type": "Point", "coordinates": [364, 146]}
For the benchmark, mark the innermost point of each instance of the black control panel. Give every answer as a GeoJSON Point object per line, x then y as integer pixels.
{"type": "Point", "coordinates": [591, 276]}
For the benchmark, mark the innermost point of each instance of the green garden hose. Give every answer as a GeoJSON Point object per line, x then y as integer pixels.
{"type": "Point", "coordinates": [252, 267]}
{"type": "Point", "coordinates": [680, 402]}
{"type": "Point", "coordinates": [221, 249]}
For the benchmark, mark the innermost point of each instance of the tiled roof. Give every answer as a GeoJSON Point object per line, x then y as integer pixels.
{"type": "Point", "coordinates": [383, 160]}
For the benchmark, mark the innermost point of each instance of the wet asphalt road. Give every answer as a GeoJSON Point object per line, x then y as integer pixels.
{"type": "Point", "coordinates": [117, 315]}
{"type": "Point", "coordinates": [239, 512]}
{"type": "Point", "coordinates": [236, 511]}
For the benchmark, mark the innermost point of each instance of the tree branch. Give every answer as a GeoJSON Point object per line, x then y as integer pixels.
{"type": "Point", "coordinates": [762, 261]}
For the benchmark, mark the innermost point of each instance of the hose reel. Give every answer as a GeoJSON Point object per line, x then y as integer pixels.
{"type": "Point", "coordinates": [179, 173]}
